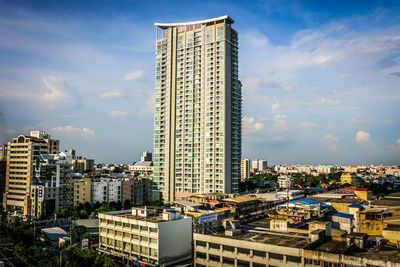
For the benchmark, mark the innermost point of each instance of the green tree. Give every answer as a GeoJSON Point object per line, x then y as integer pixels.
{"type": "Point", "coordinates": [127, 204]}
{"type": "Point", "coordinates": [76, 232]}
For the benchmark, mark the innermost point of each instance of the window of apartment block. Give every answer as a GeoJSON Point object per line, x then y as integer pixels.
{"type": "Point", "coordinates": [228, 261]}
{"type": "Point", "coordinates": [255, 264]}
{"type": "Point", "coordinates": [201, 255]}
{"type": "Point", "coordinates": [144, 250]}
{"type": "Point", "coordinates": [201, 243]}
{"type": "Point", "coordinates": [135, 236]}
{"type": "Point", "coordinates": [242, 263]}
{"type": "Point", "coordinates": [135, 248]}
{"type": "Point", "coordinates": [276, 256]}
{"type": "Point", "coordinates": [244, 251]}
{"type": "Point", "coordinates": [228, 248]}
{"type": "Point", "coordinates": [214, 246]}
{"type": "Point", "coordinates": [144, 228]}
{"type": "Point", "coordinates": [153, 230]}
{"type": "Point", "coordinates": [331, 264]}
{"type": "Point", "coordinates": [213, 257]}
{"type": "Point", "coordinates": [153, 252]}
{"type": "Point", "coordinates": [259, 253]}
{"type": "Point", "coordinates": [293, 259]}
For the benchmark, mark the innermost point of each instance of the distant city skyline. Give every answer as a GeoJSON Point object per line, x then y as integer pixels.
{"type": "Point", "coordinates": [320, 80]}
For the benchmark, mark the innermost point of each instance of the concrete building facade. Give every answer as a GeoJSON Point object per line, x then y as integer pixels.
{"type": "Point", "coordinates": [245, 169]}
{"type": "Point", "coordinates": [139, 191]}
{"type": "Point", "coordinates": [82, 191]}
{"type": "Point", "coordinates": [106, 190]}
{"type": "Point", "coordinates": [150, 236]}
{"type": "Point", "coordinates": [52, 188]}
{"type": "Point", "coordinates": [197, 126]}
{"type": "Point", "coordinates": [21, 152]}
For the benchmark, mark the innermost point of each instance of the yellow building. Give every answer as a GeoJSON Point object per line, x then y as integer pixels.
{"type": "Point", "coordinates": [374, 221]}
{"type": "Point", "coordinates": [82, 191]}
{"type": "Point", "coordinates": [348, 178]}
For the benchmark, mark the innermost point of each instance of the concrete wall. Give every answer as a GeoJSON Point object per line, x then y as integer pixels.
{"type": "Point", "coordinates": [175, 238]}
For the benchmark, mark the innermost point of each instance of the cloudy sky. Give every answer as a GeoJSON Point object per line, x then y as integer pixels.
{"type": "Point", "coordinates": [321, 79]}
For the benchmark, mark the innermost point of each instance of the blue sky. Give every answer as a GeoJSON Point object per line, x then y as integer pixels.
{"type": "Point", "coordinates": [321, 79]}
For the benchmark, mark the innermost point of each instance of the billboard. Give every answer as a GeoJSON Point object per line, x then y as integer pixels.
{"type": "Point", "coordinates": [85, 243]}
{"type": "Point", "coordinates": [40, 192]}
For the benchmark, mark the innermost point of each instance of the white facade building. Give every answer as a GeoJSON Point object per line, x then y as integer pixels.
{"type": "Point", "coordinates": [150, 236]}
{"type": "Point", "coordinates": [285, 181]}
{"type": "Point", "coordinates": [106, 190]}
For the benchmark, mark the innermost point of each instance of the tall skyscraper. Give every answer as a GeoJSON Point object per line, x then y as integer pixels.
{"type": "Point", "coordinates": [197, 125]}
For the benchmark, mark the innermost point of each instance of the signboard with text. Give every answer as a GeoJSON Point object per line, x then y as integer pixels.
{"type": "Point", "coordinates": [40, 193]}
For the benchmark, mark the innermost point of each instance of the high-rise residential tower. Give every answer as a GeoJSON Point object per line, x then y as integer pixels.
{"type": "Point", "coordinates": [197, 126]}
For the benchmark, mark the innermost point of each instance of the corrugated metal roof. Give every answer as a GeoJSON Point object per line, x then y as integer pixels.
{"type": "Point", "coordinates": [305, 201]}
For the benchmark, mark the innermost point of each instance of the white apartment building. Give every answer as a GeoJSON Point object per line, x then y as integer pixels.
{"type": "Point", "coordinates": [150, 236]}
{"type": "Point", "coordinates": [259, 165]}
{"type": "Point", "coordinates": [285, 181]}
{"type": "Point", "coordinates": [198, 108]}
{"type": "Point", "coordinates": [106, 190]}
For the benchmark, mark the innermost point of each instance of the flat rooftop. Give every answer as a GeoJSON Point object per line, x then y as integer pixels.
{"type": "Point", "coordinates": [175, 24]}
{"type": "Point", "coordinates": [384, 253]}
{"type": "Point", "coordinates": [155, 216]}
{"type": "Point", "coordinates": [291, 240]}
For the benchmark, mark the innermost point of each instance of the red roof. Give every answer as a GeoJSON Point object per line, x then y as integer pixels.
{"type": "Point", "coordinates": [353, 188]}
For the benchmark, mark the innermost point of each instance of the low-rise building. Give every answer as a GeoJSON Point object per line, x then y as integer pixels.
{"type": "Point", "coordinates": [261, 247]}
{"type": "Point", "coordinates": [285, 181]}
{"type": "Point", "coordinates": [349, 178]}
{"type": "Point", "coordinates": [142, 168]}
{"type": "Point", "coordinates": [147, 235]}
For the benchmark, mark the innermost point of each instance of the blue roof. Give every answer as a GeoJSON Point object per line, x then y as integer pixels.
{"type": "Point", "coordinates": [355, 206]}
{"type": "Point", "coordinates": [343, 215]}
{"type": "Point", "coordinates": [304, 201]}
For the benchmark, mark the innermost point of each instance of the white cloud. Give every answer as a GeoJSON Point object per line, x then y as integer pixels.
{"type": "Point", "coordinates": [363, 137]}
{"type": "Point", "coordinates": [60, 93]}
{"type": "Point", "coordinates": [277, 138]}
{"type": "Point", "coordinates": [250, 125]}
{"type": "Point", "coordinates": [330, 141]}
{"type": "Point", "coordinates": [327, 101]}
{"type": "Point", "coordinates": [148, 107]}
{"type": "Point", "coordinates": [113, 94]}
{"type": "Point", "coordinates": [85, 133]}
{"type": "Point", "coordinates": [396, 146]}
{"type": "Point", "coordinates": [360, 122]}
{"type": "Point", "coordinates": [275, 106]}
{"type": "Point", "coordinates": [280, 122]}
{"type": "Point", "coordinates": [308, 125]}
{"type": "Point", "coordinates": [134, 75]}
{"type": "Point", "coordinates": [117, 113]}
